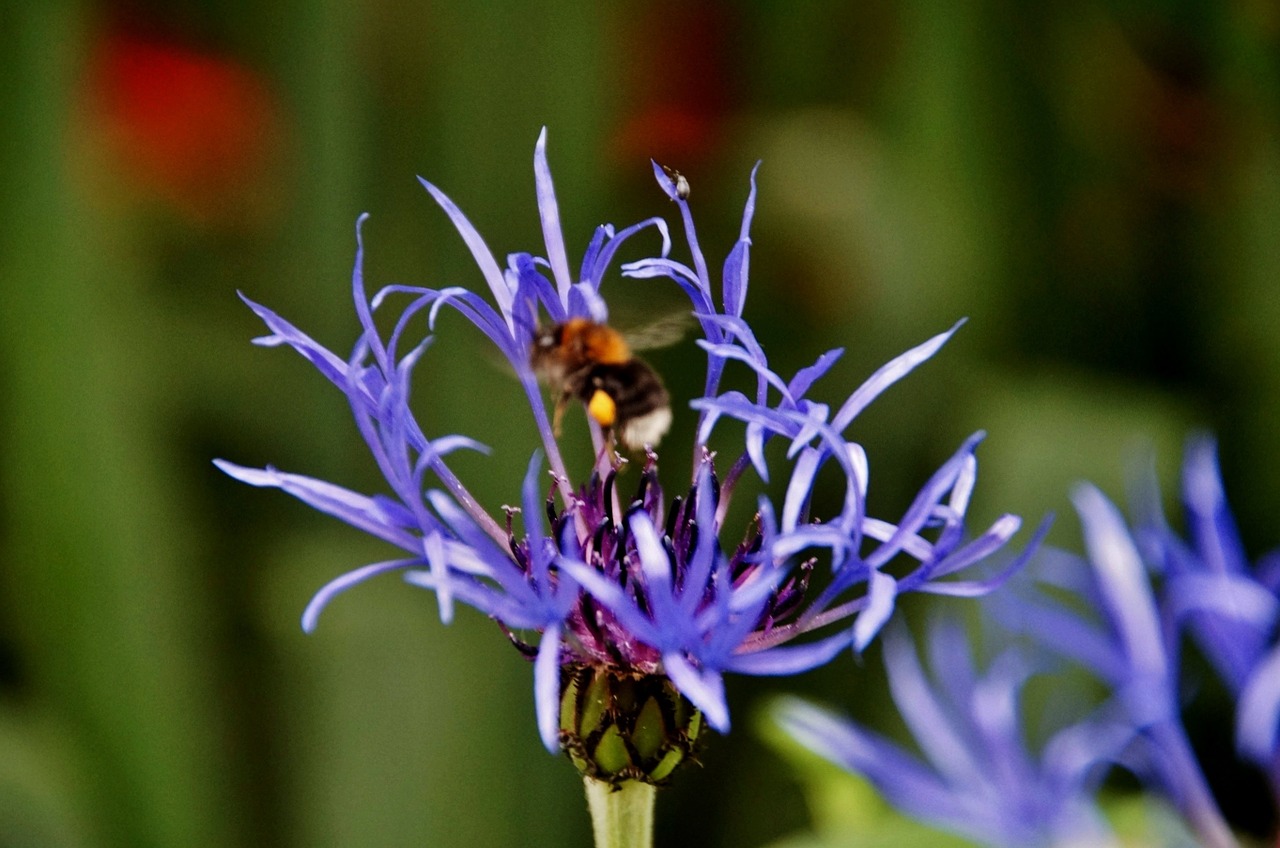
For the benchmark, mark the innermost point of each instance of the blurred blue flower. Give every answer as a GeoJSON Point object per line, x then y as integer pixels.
{"type": "Point", "coordinates": [978, 777]}
{"type": "Point", "coordinates": [1105, 614]}
{"type": "Point", "coordinates": [1230, 607]}
{"type": "Point", "coordinates": [1120, 613]}
{"type": "Point", "coordinates": [628, 585]}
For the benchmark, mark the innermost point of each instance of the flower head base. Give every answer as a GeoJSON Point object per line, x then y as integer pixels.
{"type": "Point", "coordinates": [636, 588]}
{"type": "Point", "coordinates": [618, 726]}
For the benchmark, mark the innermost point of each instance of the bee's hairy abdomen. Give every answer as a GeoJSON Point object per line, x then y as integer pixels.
{"type": "Point", "coordinates": [633, 385]}
{"type": "Point", "coordinates": [642, 413]}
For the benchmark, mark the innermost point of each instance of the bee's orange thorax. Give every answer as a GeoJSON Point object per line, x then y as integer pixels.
{"type": "Point", "coordinates": [600, 343]}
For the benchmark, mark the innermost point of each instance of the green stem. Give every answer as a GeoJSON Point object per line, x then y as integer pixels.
{"type": "Point", "coordinates": [621, 816]}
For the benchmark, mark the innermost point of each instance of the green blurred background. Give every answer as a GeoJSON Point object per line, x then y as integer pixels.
{"type": "Point", "coordinates": [1096, 185]}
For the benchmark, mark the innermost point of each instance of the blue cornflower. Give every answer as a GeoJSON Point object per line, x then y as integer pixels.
{"type": "Point", "coordinates": [1132, 641]}
{"type": "Point", "coordinates": [978, 777]}
{"type": "Point", "coordinates": [634, 602]}
{"type": "Point", "coordinates": [1231, 608]}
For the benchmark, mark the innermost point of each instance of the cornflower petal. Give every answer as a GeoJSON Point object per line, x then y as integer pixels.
{"type": "Point", "coordinates": [976, 550]}
{"type": "Point", "coordinates": [881, 592]}
{"type": "Point", "coordinates": [657, 572]}
{"type": "Point", "coordinates": [737, 266]}
{"type": "Point", "coordinates": [902, 779]}
{"type": "Point", "coordinates": [791, 659]}
{"type": "Point", "coordinates": [704, 689]}
{"type": "Point", "coordinates": [335, 587]}
{"type": "Point", "coordinates": [978, 588]}
{"type": "Point", "coordinates": [546, 686]}
{"type": "Point", "coordinates": [501, 569]}
{"type": "Point", "coordinates": [808, 375]}
{"type": "Point", "coordinates": [602, 233]}
{"type": "Point", "coordinates": [745, 355]}
{"type": "Point", "coordinates": [747, 350]}
{"type": "Point", "coordinates": [683, 276]}
{"type": "Point", "coordinates": [952, 666]}
{"type": "Point", "coordinates": [691, 236]}
{"type": "Point", "coordinates": [888, 374]}
{"type": "Point", "coordinates": [441, 447]}
{"type": "Point", "coordinates": [533, 287]}
{"type": "Point", "coordinates": [959, 503]}
{"type": "Point", "coordinates": [485, 598]}
{"type": "Point", "coordinates": [913, 546]}
{"type": "Point", "coordinates": [918, 512]}
{"type": "Point", "coordinates": [788, 543]}
{"type": "Point", "coordinates": [357, 510]}
{"type": "Point", "coordinates": [433, 550]}
{"type": "Point", "coordinates": [594, 273]}
{"type": "Point", "coordinates": [549, 211]}
{"type": "Point", "coordinates": [1122, 579]}
{"type": "Point", "coordinates": [1075, 753]}
{"type": "Point", "coordinates": [735, 271]}
{"type": "Point", "coordinates": [1212, 527]}
{"type": "Point", "coordinates": [699, 571]}
{"type": "Point", "coordinates": [1258, 712]}
{"type": "Point", "coordinates": [479, 250]}
{"type": "Point", "coordinates": [476, 310]}
{"type": "Point", "coordinates": [1233, 597]}
{"type": "Point", "coordinates": [855, 504]}
{"type": "Point", "coordinates": [1231, 623]}
{"type": "Point", "coordinates": [1085, 643]}
{"type": "Point", "coordinates": [736, 405]}
{"type": "Point", "coordinates": [813, 420]}
{"type": "Point", "coordinates": [800, 487]}
{"type": "Point", "coordinates": [363, 310]}
{"type": "Point", "coordinates": [283, 333]}
{"type": "Point", "coordinates": [612, 597]}
{"type": "Point", "coordinates": [530, 501]}
{"type": "Point", "coordinates": [584, 301]}
{"type": "Point", "coordinates": [924, 714]}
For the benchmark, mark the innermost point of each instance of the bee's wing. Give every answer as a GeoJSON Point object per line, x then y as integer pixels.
{"type": "Point", "coordinates": [499, 363]}
{"type": "Point", "coordinates": [663, 332]}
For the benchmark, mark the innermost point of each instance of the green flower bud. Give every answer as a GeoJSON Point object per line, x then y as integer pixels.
{"type": "Point", "coordinates": [617, 725]}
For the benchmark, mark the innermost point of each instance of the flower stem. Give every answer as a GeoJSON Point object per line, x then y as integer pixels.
{"type": "Point", "coordinates": [621, 816]}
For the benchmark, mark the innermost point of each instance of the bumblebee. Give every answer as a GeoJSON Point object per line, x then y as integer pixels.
{"type": "Point", "coordinates": [592, 362]}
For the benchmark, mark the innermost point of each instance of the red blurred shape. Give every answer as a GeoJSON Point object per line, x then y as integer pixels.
{"type": "Point", "coordinates": [193, 128]}
{"type": "Point", "coordinates": [678, 74]}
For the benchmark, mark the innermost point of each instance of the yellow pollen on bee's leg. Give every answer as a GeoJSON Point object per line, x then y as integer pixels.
{"type": "Point", "coordinates": [602, 408]}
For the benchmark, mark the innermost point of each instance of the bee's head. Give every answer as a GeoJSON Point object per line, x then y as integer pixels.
{"type": "Point", "coordinates": [545, 352]}
{"type": "Point", "coordinates": [545, 339]}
